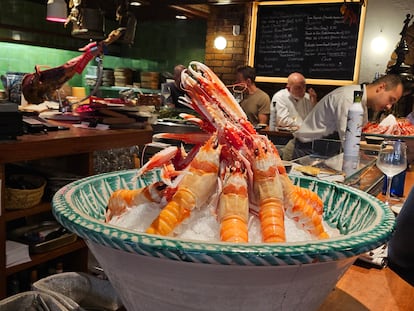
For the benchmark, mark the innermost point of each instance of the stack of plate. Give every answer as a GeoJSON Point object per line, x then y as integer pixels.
{"type": "Point", "coordinates": [91, 75]}
{"type": "Point", "coordinates": [90, 80]}
{"type": "Point", "coordinates": [150, 80]}
{"type": "Point", "coordinates": [108, 78]}
{"type": "Point", "coordinates": [123, 76]}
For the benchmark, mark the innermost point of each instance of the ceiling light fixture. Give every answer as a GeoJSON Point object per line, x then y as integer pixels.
{"type": "Point", "coordinates": [180, 17]}
{"type": "Point", "coordinates": [56, 11]}
{"type": "Point", "coordinates": [135, 3]}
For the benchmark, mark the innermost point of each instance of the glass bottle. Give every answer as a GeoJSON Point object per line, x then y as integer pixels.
{"type": "Point", "coordinates": [397, 185]}
{"type": "Point", "coordinates": [354, 127]}
{"type": "Point", "coordinates": [59, 267]}
{"type": "Point", "coordinates": [272, 118]}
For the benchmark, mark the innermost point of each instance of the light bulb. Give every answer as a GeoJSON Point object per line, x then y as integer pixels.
{"type": "Point", "coordinates": [220, 43]}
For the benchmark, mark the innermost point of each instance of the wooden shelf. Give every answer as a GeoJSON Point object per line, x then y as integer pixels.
{"type": "Point", "coordinates": [40, 208]}
{"type": "Point", "coordinates": [44, 257]}
{"type": "Point", "coordinates": [72, 151]}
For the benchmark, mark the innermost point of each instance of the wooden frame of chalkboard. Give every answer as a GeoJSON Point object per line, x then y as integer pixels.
{"type": "Point", "coordinates": [309, 36]}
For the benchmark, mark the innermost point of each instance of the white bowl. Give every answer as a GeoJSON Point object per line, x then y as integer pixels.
{"type": "Point", "coordinates": [151, 272]}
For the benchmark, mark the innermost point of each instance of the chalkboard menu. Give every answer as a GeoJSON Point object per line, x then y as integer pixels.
{"type": "Point", "coordinates": [312, 38]}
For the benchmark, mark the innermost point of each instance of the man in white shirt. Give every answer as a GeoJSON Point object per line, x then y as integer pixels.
{"type": "Point", "coordinates": [329, 116]}
{"type": "Point", "coordinates": [293, 103]}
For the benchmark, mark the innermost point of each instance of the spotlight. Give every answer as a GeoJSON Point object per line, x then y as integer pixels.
{"type": "Point", "coordinates": [56, 11]}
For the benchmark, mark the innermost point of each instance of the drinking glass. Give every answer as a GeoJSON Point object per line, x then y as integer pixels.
{"type": "Point", "coordinates": [165, 93]}
{"type": "Point", "coordinates": [392, 160]}
{"type": "Point", "coordinates": [238, 90]}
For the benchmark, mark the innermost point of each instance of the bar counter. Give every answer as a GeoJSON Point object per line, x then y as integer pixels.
{"type": "Point", "coordinates": [370, 288]}
{"type": "Point", "coordinates": [360, 288]}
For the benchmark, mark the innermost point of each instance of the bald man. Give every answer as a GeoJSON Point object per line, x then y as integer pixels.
{"type": "Point", "coordinates": [293, 103]}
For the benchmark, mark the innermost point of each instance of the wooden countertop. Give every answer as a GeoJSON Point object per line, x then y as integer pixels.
{"type": "Point", "coordinates": [362, 289]}
{"type": "Point", "coordinates": [369, 288]}
{"type": "Point", "coordinates": [72, 141]}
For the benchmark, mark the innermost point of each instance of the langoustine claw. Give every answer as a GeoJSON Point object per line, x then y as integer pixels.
{"type": "Point", "coordinates": [123, 199]}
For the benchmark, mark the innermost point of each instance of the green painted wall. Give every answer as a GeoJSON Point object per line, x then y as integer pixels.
{"type": "Point", "coordinates": [23, 58]}
{"type": "Point", "coordinates": [169, 43]}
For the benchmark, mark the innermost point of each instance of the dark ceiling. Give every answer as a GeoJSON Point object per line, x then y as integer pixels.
{"type": "Point", "coordinates": [156, 9]}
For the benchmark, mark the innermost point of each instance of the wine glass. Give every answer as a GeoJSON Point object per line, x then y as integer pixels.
{"type": "Point", "coordinates": [392, 160]}
{"type": "Point", "coordinates": [165, 93]}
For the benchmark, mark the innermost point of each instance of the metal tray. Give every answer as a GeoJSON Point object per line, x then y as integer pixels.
{"type": "Point", "coordinates": [43, 237]}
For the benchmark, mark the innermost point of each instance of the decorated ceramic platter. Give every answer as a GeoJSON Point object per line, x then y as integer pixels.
{"type": "Point", "coordinates": [363, 221]}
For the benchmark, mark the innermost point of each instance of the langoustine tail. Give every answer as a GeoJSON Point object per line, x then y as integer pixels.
{"type": "Point", "coordinates": [272, 220]}
{"type": "Point", "coordinates": [307, 209]}
{"type": "Point", "coordinates": [269, 191]}
{"type": "Point", "coordinates": [173, 213]}
{"type": "Point", "coordinates": [233, 208]}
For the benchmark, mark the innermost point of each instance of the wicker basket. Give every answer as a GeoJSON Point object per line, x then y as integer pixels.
{"type": "Point", "coordinates": [24, 198]}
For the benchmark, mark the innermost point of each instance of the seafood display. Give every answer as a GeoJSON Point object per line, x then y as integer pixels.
{"type": "Point", "coordinates": [402, 127]}
{"type": "Point", "coordinates": [231, 167]}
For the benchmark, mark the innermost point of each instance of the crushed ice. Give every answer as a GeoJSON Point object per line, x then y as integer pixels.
{"type": "Point", "coordinates": [202, 225]}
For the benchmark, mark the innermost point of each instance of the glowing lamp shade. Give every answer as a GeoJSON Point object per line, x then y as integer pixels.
{"type": "Point", "coordinates": [220, 43]}
{"type": "Point", "coordinates": [56, 11]}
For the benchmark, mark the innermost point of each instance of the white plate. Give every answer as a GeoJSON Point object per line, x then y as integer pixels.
{"type": "Point", "coordinates": [396, 208]}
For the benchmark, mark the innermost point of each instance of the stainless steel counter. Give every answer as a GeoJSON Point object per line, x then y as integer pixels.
{"type": "Point", "coordinates": [363, 174]}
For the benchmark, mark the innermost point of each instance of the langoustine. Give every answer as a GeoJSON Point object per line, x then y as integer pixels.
{"type": "Point", "coordinates": [233, 206]}
{"type": "Point", "coordinates": [193, 191]}
{"type": "Point", "coordinates": [254, 170]}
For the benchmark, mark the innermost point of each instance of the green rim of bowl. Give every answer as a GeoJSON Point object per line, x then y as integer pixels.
{"type": "Point", "coordinates": [79, 206]}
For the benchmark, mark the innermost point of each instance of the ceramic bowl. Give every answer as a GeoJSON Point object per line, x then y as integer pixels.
{"type": "Point", "coordinates": [151, 272]}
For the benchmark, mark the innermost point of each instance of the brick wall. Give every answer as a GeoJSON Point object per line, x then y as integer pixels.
{"type": "Point", "coordinates": [220, 23]}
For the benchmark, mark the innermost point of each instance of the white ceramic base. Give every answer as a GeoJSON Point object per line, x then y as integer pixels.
{"type": "Point", "coordinates": [148, 283]}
